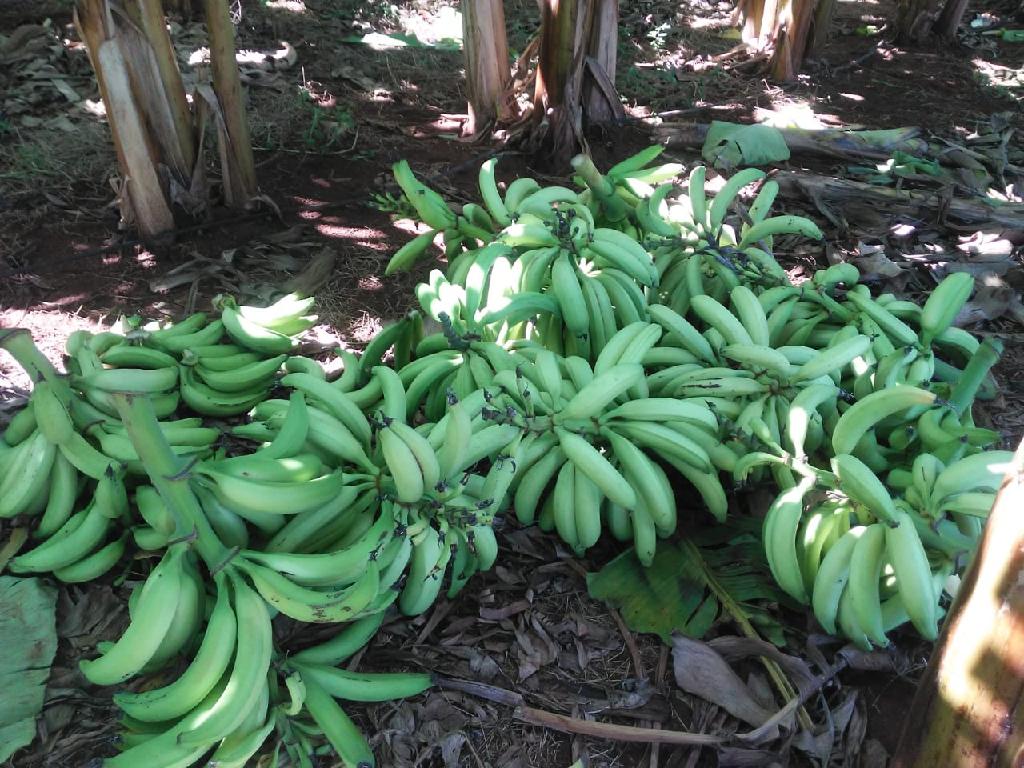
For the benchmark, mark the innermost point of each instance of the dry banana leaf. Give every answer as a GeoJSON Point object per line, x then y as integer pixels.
{"type": "Point", "coordinates": [29, 639]}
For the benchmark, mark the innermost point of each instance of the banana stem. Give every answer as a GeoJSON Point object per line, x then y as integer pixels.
{"type": "Point", "coordinates": [592, 177]}
{"type": "Point", "coordinates": [836, 310]}
{"type": "Point", "coordinates": [466, 228]}
{"type": "Point", "coordinates": [974, 374]}
{"type": "Point", "coordinates": [604, 190]}
{"type": "Point", "coordinates": [775, 672]}
{"type": "Point", "coordinates": [18, 341]}
{"type": "Point", "coordinates": [168, 475]}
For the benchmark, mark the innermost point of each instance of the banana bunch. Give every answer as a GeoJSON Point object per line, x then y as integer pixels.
{"type": "Point", "coordinates": [477, 225]}
{"type": "Point", "coordinates": [191, 360]}
{"type": "Point", "coordinates": [46, 467]}
{"type": "Point", "coordinates": [961, 491]}
{"type": "Point", "coordinates": [698, 253]}
{"type": "Point", "coordinates": [405, 496]}
{"type": "Point", "coordinates": [127, 368]}
{"type": "Point", "coordinates": [868, 561]}
{"type": "Point", "coordinates": [593, 443]}
{"type": "Point", "coordinates": [310, 494]}
{"type": "Point", "coordinates": [31, 456]}
{"type": "Point", "coordinates": [618, 196]}
{"type": "Point", "coordinates": [302, 703]}
{"type": "Point", "coordinates": [221, 700]}
{"type": "Point", "coordinates": [213, 703]}
{"type": "Point", "coordinates": [546, 269]}
{"type": "Point", "coordinates": [866, 577]}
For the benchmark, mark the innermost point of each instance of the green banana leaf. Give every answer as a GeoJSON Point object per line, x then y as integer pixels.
{"type": "Point", "coordinates": [730, 145]}
{"type": "Point", "coordinates": [694, 582]}
{"type": "Point", "coordinates": [28, 636]}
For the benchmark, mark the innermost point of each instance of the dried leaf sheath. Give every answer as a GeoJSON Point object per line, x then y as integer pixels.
{"type": "Point", "coordinates": [239, 169]}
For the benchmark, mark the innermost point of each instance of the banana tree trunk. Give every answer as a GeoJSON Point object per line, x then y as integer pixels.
{"type": "Point", "coordinates": [968, 711]}
{"type": "Point", "coordinates": [121, 69]}
{"type": "Point", "coordinates": [823, 16]}
{"type": "Point", "coordinates": [599, 98]}
{"type": "Point", "coordinates": [915, 20]}
{"type": "Point", "coordinates": [786, 28]}
{"type": "Point", "coordinates": [488, 73]}
{"type": "Point", "coordinates": [949, 21]}
{"type": "Point", "coordinates": [752, 14]}
{"type": "Point", "coordinates": [576, 70]}
{"type": "Point", "coordinates": [793, 27]}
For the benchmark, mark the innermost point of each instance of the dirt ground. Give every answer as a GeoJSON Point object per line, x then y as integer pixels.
{"type": "Point", "coordinates": [326, 131]}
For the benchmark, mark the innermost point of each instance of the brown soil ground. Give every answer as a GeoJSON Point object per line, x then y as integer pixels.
{"type": "Point", "coordinates": [321, 159]}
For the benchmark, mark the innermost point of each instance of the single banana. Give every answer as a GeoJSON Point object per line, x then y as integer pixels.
{"type": "Point", "coordinates": [782, 522]}
{"type": "Point", "coordinates": [364, 686]}
{"type": "Point", "coordinates": [725, 196]}
{"type": "Point", "coordinates": [721, 319]}
{"type": "Point", "coordinates": [780, 225]}
{"type": "Point", "coordinates": [944, 303]}
{"type": "Point", "coordinates": [913, 574]}
{"type": "Point", "coordinates": [863, 486]}
{"type": "Point", "coordinates": [430, 206]}
{"type": "Point", "coordinates": [750, 314]}
{"type": "Point", "coordinates": [832, 577]}
{"type": "Point", "coordinates": [199, 678]}
{"type": "Point", "coordinates": [151, 620]}
{"type": "Point", "coordinates": [490, 194]}
{"type": "Point", "coordinates": [866, 564]}
{"type": "Point", "coordinates": [867, 412]}
{"type": "Point", "coordinates": [347, 740]}
{"type": "Point", "coordinates": [593, 463]}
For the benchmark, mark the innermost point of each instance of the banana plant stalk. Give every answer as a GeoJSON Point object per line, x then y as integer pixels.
{"type": "Point", "coordinates": [974, 374]}
{"type": "Point", "coordinates": [614, 206]}
{"type": "Point", "coordinates": [170, 476]}
{"type": "Point", "coordinates": [968, 711]}
{"type": "Point", "coordinates": [18, 342]}
{"type": "Point", "coordinates": [238, 167]}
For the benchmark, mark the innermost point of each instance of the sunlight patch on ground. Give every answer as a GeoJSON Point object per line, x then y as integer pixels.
{"type": "Point", "coordinates": [310, 204]}
{"type": "Point", "coordinates": [292, 6]}
{"type": "Point", "coordinates": [365, 327]}
{"type": "Point", "coordinates": [409, 226]}
{"type": "Point", "coordinates": [371, 283]}
{"type": "Point", "coordinates": [710, 23]}
{"type": "Point", "coordinates": [430, 23]}
{"type": "Point", "coordinates": [95, 108]}
{"type": "Point", "coordinates": [790, 113]}
{"type": "Point", "coordinates": [363, 236]}
{"type": "Point", "coordinates": [998, 76]}
{"type": "Point", "coordinates": [420, 26]}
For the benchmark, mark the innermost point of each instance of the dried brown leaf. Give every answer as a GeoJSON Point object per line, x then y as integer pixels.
{"type": "Point", "coordinates": [993, 298]}
{"type": "Point", "coordinates": [701, 671]}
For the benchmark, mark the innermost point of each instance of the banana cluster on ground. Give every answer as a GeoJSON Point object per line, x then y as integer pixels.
{"type": "Point", "coordinates": [325, 506]}
{"type": "Point", "coordinates": [601, 349]}
{"type": "Point", "coordinates": [780, 382]}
